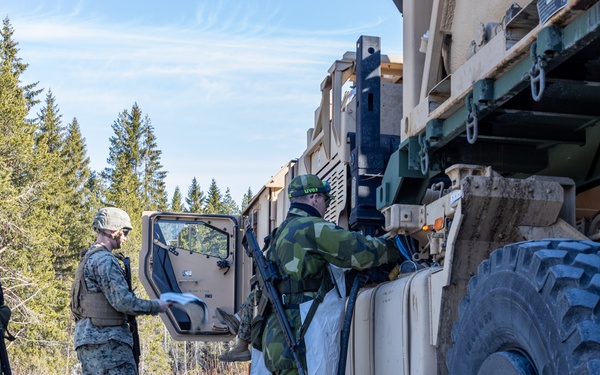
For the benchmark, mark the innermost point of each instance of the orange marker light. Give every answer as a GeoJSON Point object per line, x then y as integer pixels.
{"type": "Point", "coordinates": [439, 224]}
{"type": "Point", "coordinates": [426, 227]}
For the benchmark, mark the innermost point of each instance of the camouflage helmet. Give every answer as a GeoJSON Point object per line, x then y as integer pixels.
{"type": "Point", "coordinates": [111, 218]}
{"type": "Point", "coordinates": [308, 184]}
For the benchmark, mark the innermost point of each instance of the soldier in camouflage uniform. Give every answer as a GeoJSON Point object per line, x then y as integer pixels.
{"type": "Point", "coordinates": [304, 246]}
{"type": "Point", "coordinates": [100, 301]}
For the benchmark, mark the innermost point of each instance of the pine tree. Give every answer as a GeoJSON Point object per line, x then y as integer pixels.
{"type": "Point", "coordinates": [63, 166]}
{"type": "Point", "coordinates": [37, 297]}
{"type": "Point", "coordinates": [214, 199]}
{"type": "Point", "coordinates": [17, 133]}
{"type": "Point", "coordinates": [81, 207]}
{"type": "Point", "coordinates": [230, 207]}
{"type": "Point", "coordinates": [95, 189]}
{"type": "Point", "coordinates": [8, 53]}
{"type": "Point", "coordinates": [135, 179]}
{"type": "Point", "coordinates": [54, 197]}
{"type": "Point", "coordinates": [123, 177]}
{"type": "Point", "coordinates": [16, 160]}
{"type": "Point", "coordinates": [195, 198]}
{"type": "Point", "coordinates": [48, 196]}
{"type": "Point", "coordinates": [134, 182]}
{"type": "Point", "coordinates": [177, 201]}
{"type": "Point", "coordinates": [75, 151]}
{"type": "Point", "coordinates": [154, 192]}
{"type": "Point", "coordinates": [247, 198]}
{"type": "Point", "coordinates": [50, 129]}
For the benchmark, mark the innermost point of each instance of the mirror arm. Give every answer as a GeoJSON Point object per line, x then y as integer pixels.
{"type": "Point", "coordinates": [170, 249]}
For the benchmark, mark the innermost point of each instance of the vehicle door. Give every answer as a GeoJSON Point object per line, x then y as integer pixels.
{"type": "Point", "coordinates": [195, 255]}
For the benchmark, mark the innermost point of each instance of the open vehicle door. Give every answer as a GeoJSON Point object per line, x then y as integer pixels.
{"type": "Point", "coordinates": [197, 254]}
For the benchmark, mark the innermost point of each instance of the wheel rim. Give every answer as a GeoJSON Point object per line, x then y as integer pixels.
{"type": "Point", "coordinates": [507, 363]}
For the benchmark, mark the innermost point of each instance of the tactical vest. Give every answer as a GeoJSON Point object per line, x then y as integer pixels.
{"type": "Point", "coordinates": [92, 304]}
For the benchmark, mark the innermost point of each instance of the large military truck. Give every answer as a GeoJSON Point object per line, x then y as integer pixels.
{"type": "Point", "coordinates": [479, 151]}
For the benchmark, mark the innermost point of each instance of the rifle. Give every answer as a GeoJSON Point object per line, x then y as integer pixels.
{"type": "Point", "coordinates": [267, 278]}
{"type": "Point", "coordinates": [133, 326]}
{"type": "Point", "coordinates": [4, 364]}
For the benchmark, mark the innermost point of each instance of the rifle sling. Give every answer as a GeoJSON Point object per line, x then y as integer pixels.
{"type": "Point", "coordinates": [289, 286]}
{"type": "Point", "coordinates": [323, 289]}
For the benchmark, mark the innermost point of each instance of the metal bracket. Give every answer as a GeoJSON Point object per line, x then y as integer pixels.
{"type": "Point", "coordinates": [435, 130]}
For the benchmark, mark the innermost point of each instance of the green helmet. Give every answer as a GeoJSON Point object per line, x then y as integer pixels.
{"type": "Point", "coordinates": [111, 218]}
{"type": "Point", "coordinates": [308, 184]}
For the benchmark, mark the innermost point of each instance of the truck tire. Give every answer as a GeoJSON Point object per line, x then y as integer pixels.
{"type": "Point", "coordinates": [532, 308]}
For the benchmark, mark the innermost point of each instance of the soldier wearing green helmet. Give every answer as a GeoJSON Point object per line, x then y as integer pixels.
{"type": "Point", "coordinates": [307, 184]}
{"type": "Point", "coordinates": [310, 253]}
{"type": "Point", "coordinates": [101, 300]}
{"type": "Point", "coordinates": [239, 324]}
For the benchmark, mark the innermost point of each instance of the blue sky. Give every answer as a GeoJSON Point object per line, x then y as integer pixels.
{"type": "Point", "coordinates": [230, 86]}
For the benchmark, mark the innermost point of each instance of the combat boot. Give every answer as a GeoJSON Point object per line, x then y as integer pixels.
{"type": "Point", "coordinates": [239, 353]}
{"type": "Point", "coordinates": [229, 320]}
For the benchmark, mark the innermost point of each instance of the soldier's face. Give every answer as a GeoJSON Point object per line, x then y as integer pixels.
{"type": "Point", "coordinates": [320, 202]}
{"type": "Point", "coordinates": [121, 238]}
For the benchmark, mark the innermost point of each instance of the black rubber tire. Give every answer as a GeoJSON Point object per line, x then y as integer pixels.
{"type": "Point", "coordinates": [532, 308]}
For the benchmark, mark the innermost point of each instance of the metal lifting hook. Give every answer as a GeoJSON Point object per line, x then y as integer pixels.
{"type": "Point", "coordinates": [471, 125]}
{"type": "Point", "coordinates": [537, 74]}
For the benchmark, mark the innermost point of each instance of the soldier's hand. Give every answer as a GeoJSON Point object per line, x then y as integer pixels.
{"type": "Point", "coordinates": [162, 305]}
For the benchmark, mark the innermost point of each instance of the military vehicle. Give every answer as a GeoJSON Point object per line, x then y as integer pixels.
{"type": "Point", "coordinates": [479, 151]}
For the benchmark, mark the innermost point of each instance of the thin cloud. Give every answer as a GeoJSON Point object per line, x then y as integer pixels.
{"type": "Point", "coordinates": [226, 75]}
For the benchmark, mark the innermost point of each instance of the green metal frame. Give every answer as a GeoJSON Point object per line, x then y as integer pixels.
{"type": "Point", "coordinates": [554, 46]}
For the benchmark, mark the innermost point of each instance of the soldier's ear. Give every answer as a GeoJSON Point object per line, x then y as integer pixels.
{"type": "Point", "coordinates": [313, 200]}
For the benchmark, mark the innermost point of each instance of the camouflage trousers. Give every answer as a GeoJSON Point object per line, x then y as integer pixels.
{"type": "Point", "coordinates": [246, 313]}
{"type": "Point", "coordinates": [111, 358]}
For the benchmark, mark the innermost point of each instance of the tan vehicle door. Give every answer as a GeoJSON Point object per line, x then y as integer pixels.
{"type": "Point", "coordinates": [195, 254]}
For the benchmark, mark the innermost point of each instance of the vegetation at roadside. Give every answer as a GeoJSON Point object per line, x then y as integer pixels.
{"type": "Point", "coordinates": [48, 197]}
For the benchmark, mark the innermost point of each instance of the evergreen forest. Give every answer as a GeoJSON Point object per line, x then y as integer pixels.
{"type": "Point", "coordinates": [48, 198]}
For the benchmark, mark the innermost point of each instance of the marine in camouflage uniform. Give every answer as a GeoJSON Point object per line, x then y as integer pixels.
{"type": "Point", "coordinates": [246, 313]}
{"type": "Point", "coordinates": [100, 301]}
{"type": "Point", "coordinates": [240, 326]}
{"type": "Point", "coordinates": [304, 245]}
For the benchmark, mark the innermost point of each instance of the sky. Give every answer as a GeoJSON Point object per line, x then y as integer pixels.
{"type": "Point", "coordinates": [230, 86]}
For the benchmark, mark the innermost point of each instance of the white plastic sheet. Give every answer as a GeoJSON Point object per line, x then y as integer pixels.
{"type": "Point", "coordinates": [257, 366]}
{"type": "Point", "coordinates": [323, 335]}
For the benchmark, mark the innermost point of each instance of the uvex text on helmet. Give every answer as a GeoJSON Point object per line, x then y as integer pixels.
{"type": "Point", "coordinates": [111, 218]}
{"type": "Point", "coordinates": [308, 184]}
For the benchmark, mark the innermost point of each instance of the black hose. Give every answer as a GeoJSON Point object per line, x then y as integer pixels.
{"type": "Point", "coordinates": [359, 281]}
